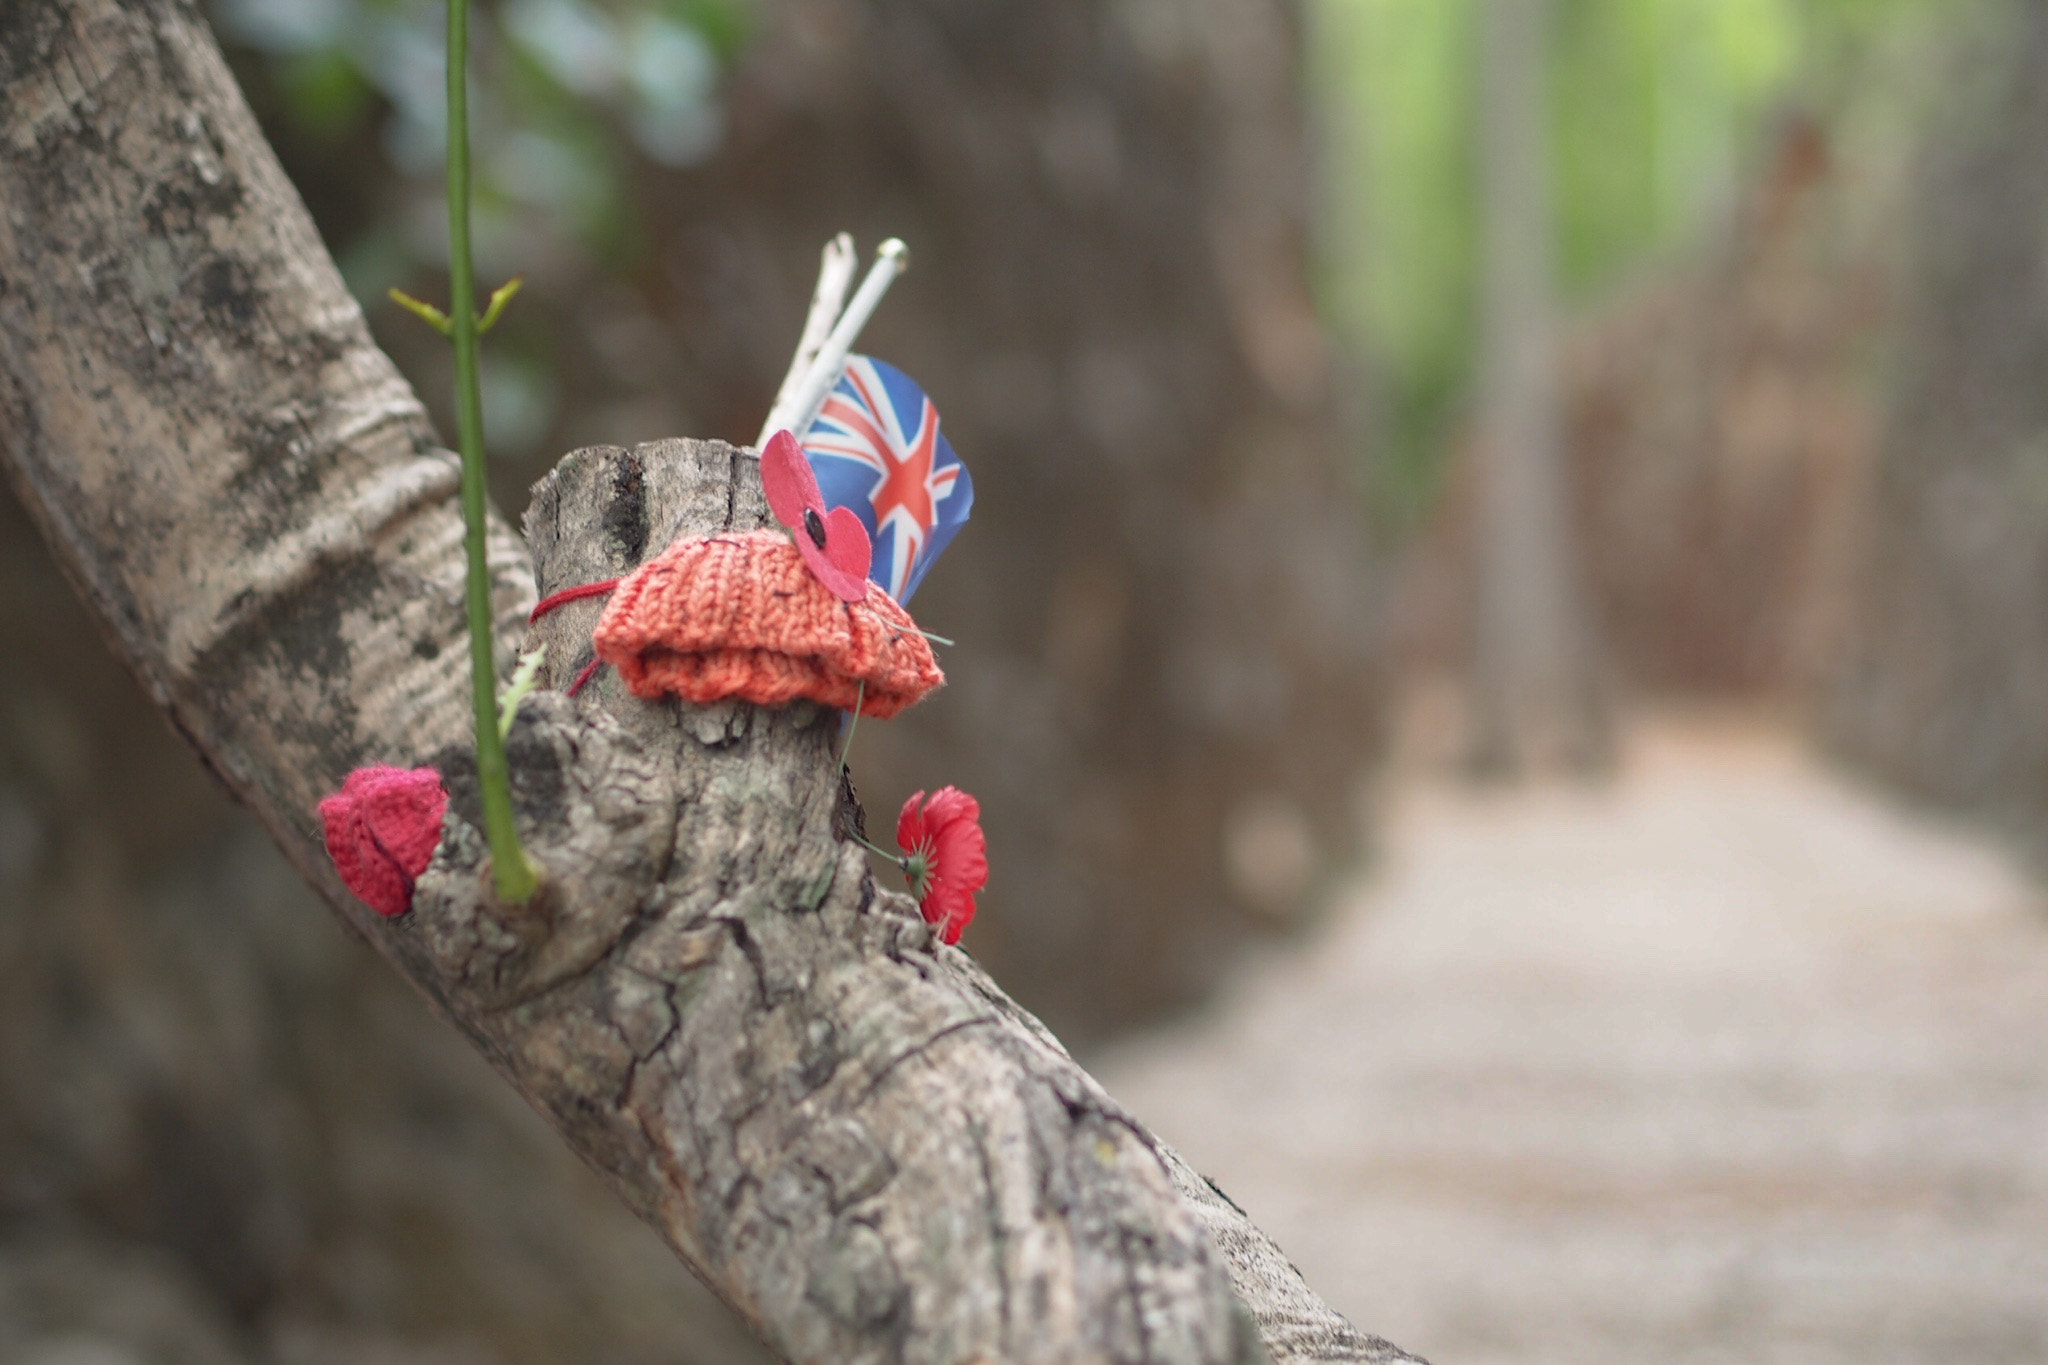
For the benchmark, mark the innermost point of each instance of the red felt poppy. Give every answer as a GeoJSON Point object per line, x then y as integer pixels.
{"type": "Point", "coordinates": [382, 829]}
{"type": "Point", "coordinates": [834, 542]}
{"type": "Point", "coordinates": [945, 857]}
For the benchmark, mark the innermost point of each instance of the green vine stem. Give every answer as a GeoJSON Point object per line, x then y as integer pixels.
{"type": "Point", "coordinates": [517, 880]}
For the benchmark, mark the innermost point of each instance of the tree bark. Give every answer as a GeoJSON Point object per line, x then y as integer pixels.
{"type": "Point", "coordinates": [848, 1132]}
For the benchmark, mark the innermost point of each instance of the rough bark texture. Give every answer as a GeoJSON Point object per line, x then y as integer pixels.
{"type": "Point", "coordinates": [854, 1137]}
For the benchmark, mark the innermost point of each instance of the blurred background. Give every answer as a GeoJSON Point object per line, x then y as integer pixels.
{"type": "Point", "coordinates": [1502, 648]}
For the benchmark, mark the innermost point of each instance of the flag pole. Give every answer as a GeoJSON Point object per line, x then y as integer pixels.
{"type": "Point", "coordinates": [835, 276]}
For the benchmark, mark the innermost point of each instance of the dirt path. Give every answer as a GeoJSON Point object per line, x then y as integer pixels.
{"type": "Point", "coordinates": [1726, 1061]}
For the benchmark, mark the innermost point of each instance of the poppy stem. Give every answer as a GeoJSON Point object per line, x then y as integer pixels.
{"type": "Point", "coordinates": [901, 860]}
{"type": "Point", "coordinates": [859, 699]}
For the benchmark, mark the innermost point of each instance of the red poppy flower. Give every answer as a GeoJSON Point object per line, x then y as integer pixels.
{"type": "Point", "coordinates": [833, 543]}
{"type": "Point", "coordinates": [382, 829]}
{"type": "Point", "coordinates": [945, 857]}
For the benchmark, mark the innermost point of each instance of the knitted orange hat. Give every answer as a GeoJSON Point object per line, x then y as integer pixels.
{"type": "Point", "coordinates": [739, 615]}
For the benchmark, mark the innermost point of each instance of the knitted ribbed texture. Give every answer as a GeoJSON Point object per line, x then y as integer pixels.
{"type": "Point", "coordinates": [739, 615]}
{"type": "Point", "coordinates": [382, 829]}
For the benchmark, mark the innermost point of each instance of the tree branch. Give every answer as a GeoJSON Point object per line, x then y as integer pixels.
{"type": "Point", "coordinates": [845, 1129]}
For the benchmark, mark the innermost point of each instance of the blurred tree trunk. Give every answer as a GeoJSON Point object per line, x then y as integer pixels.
{"type": "Point", "coordinates": [1536, 677]}
{"type": "Point", "coordinates": [1942, 687]}
{"type": "Point", "coordinates": [1720, 439]}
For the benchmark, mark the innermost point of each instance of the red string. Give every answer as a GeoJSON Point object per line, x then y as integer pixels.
{"type": "Point", "coordinates": [568, 595]}
{"type": "Point", "coordinates": [562, 598]}
{"type": "Point", "coordinates": [589, 672]}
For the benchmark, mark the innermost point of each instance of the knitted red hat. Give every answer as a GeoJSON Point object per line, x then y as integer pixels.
{"type": "Point", "coordinates": [740, 615]}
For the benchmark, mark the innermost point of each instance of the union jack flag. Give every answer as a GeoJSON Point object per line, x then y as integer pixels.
{"type": "Point", "coordinates": [876, 448]}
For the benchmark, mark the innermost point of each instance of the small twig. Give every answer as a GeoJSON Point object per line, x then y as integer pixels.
{"type": "Point", "coordinates": [835, 276]}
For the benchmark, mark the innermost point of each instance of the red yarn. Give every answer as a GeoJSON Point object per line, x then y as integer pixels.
{"type": "Point", "coordinates": [568, 595]}
{"type": "Point", "coordinates": [563, 598]}
{"type": "Point", "coordinates": [382, 829]}
{"type": "Point", "coordinates": [583, 678]}
{"type": "Point", "coordinates": [742, 616]}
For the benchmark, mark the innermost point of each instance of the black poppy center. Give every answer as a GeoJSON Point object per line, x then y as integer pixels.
{"type": "Point", "coordinates": [814, 526]}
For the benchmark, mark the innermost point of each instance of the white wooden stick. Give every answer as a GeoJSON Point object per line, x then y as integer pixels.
{"type": "Point", "coordinates": [891, 259]}
{"type": "Point", "coordinates": [835, 275]}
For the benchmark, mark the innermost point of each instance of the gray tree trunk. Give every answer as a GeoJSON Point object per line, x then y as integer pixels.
{"type": "Point", "coordinates": [850, 1134]}
{"type": "Point", "coordinates": [1940, 688]}
{"type": "Point", "coordinates": [1536, 682]}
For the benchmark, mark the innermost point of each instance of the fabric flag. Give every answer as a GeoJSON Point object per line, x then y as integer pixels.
{"type": "Point", "coordinates": [876, 448]}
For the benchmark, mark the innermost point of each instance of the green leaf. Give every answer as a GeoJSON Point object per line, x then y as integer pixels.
{"type": "Point", "coordinates": [523, 679]}
{"type": "Point", "coordinates": [500, 296]}
{"type": "Point", "coordinates": [424, 311]}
